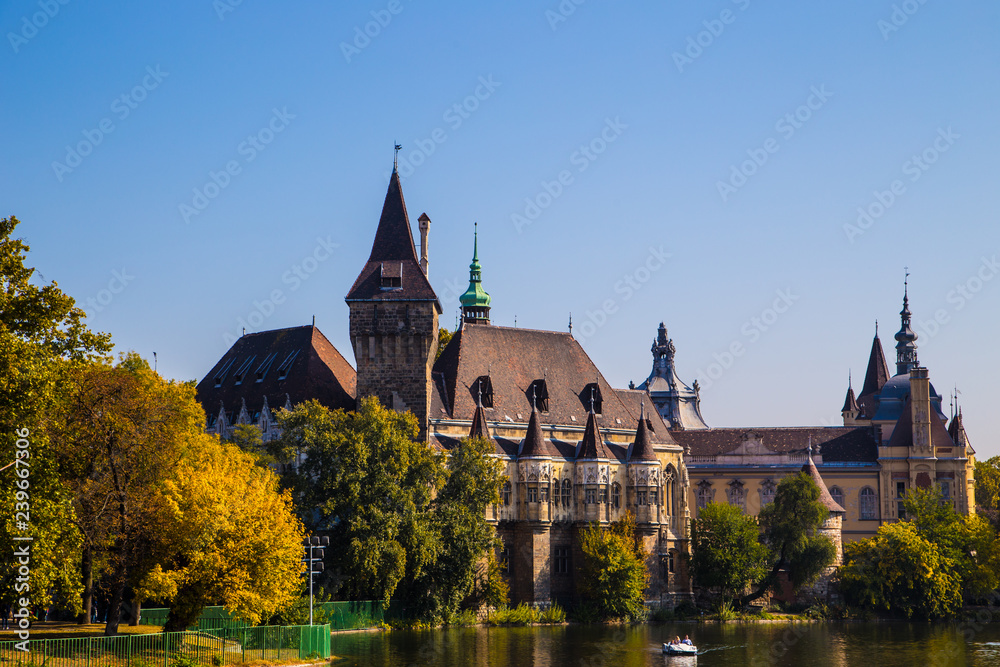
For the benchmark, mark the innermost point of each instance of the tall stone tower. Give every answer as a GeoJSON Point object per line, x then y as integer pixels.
{"type": "Point", "coordinates": [394, 316]}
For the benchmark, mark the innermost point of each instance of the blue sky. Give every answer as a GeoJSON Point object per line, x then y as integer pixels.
{"type": "Point", "coordinates": [703, 164]}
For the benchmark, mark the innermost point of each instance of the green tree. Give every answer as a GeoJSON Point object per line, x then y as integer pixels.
{"type": "Point", "coordinates": [364, 479]}
{"type": "Point", "coordinates": [726, 552]}
{"type": "Point", "coordinates": [969, 543]}
{"type": "Point", "coordinates": [900, 572]}
{"type": "Point", "coordinates": [40, 329]}
{"type": "Point", "coordinates": [614, 576]}
{"type": "Point", "coordinates": [404, 521]}
{"type": "Point", "coordinates": [988, 489]}
{"type": "Point", "coordinates": [790, 530]}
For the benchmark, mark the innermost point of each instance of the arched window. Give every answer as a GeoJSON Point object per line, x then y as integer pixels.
{"type": "Point", "coordinates": [567, 492]}
{"type": "Point", "coordinates": [837, 494]}
{"type": "Point", "coordinates": [866, 504]}
{"type": "Point", "coordinates": [737, 494]}
{"type": "Point", "coordinates": [704, 493]}
{"type": "Point", "coordinates": [616, 495]}
{"type": "Point", "coordinates": [767, 488]}
{"type": "Point", "coordinates": [505, 493]}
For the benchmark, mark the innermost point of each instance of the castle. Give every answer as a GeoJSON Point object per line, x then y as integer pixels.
{"type": "Point", "coordinates": [575, 449]}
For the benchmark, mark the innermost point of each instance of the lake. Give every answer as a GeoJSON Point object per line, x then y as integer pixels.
{"type": "Point", "coordinates": [887, 644]}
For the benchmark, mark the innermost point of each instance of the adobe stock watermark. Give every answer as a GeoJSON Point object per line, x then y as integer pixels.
{"type": "Point", "coordinates": [248, 149]}
{"type": "Point", "coordinates": [31, 25]}
{"type": "Point", "coordinates": [914, 168]}
{"type": "Point", "coordinates": [363, 36]}
{"type": "Point", "coordinates": [626, 288]}
{"type": "Point", "coordinates": [581, 158]}
{"type": "Point", "coordinates": [223, 7]}
{"type": "Point", "coordinates": [122, 107]}
{"type": "Point", "coordinates": [562, 12]}
{"type": "Point", "coordinates": [958, 298]}
{"type": "Point", "coordinates": [22, 550]}
{"type": "Point", "coordinates": [901, 13]}
{"type": "Point", "coordinates": [786, 126]}
{"type": "Point", "coordinates": [751, 331]}
{"type": "Point", "coordinates": [97, 303]}
{"type": "Point", "coordinates": [294, 277]}
{"type": "Point", "coordinates": [454, 116]}
{"type": "Point", "coordinates": [697, 43]}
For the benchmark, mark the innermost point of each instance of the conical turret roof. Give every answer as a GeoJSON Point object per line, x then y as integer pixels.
{"type": "Point", "coordinates": [642, 450]}
{"type": "Point", "coordinates": [593, 446]}
{"type": "Point", "coordinates": [824, 493]}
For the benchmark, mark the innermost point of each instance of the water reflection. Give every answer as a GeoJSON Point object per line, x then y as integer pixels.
{"type": "Point", "coordinates": [765, 644]}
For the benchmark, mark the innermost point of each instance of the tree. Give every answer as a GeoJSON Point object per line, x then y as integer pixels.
{"type": "Point", "coordinates": [40, 328]}
{"type": "Point", "coordinates": [444, 337]}
{"type": "Point", "coordinates": [474, 477]}
{"type": "Point", "coordinates": [363, 479]}
{"type": "Point", "coordinates": [404, 521]}
{"type": "Point", "coordinates": [726, 552]}
{"type": "Point", "coordinates": [969, 543]}
{"type": "Point", "coordinates": [988, 489]}
{"type": "Point", "coordinates": [900, 572]}
{"type": "Point", "coordinates": [226, 535]}
{"type": "Point", "coordinates": [118, 432]}
{"type": "Point", "coordinates": [614, 570]}
{"type": "Point", "coordinates": [790, 530]}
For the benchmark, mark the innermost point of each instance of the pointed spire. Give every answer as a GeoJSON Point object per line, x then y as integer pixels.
{"type": "Point", "coordinates": [850, 403]}
{"type": "Point", "coordinates": [534, 441]}
{"type": "Point", "coordinates": [479, 429]}
{"type": "Point", "coordinates": [824, 493]}
{"type": "Point", "coordinates": [876, 375]}
{"type": "Point", "coordinates": [956, 429]}
{"type": "Point", "coordinates": [593, 446]}
{"type": "Point", "coordinates": [906, 348]}
{"type": "Point", "coordinates": [642, 450]}
{"type": "Point", "coordinates": [475, 302]}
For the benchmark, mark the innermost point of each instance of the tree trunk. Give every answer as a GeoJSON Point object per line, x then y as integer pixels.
{"type": "Point", "coordinates": [114, 610]}
{"type": "Point", "coordinates": [87, 570]}
{"type": "Point", "coordinates": [133, 619]}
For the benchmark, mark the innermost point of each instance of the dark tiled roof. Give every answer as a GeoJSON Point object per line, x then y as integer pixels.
{"type": "Point", "coordinates": [514, 358]}
{"type": "Point", "coordinates": [850, 404]}
{"type": "Point", "coordinates": [316, 370]}
{"type": "Point", "coordinates": [824, 493]}
{"type": "Point", "coordinates": [837, 444]}
{"type": "Point", "coordinates": [902, 432]}
{"type": "Point", "coordinates": [535, 443]}
{"type": "Point", "coordinates": [393, 254]}
{"type": "Point", "coordinates": [875, 376]}
{"type": "Point", "coordinates": [956, 429]}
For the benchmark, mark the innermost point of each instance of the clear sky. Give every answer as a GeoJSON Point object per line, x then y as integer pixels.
{"type": "Point", "coordinates": [176, 166]}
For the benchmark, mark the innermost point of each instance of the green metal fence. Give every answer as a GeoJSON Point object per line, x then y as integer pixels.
{"type": "Point", "coordinates": [351, 615]}
{"type": "Point", "coordinates": [212, 648]}
{"type": "Point", "coordinates": [211, 618]}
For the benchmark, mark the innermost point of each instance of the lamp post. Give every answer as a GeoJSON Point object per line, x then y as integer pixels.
{"type": "Point", "coordinates": [313, 558]}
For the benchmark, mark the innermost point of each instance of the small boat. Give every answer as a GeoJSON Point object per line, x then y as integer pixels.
{"type": "Point", "coordinates": [680, 649]}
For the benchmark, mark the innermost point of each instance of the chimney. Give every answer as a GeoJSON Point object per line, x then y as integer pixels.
{"type": "Point", "coordinates": [920, 408]}
{"type": "Point", "coordinates": [425, 228]}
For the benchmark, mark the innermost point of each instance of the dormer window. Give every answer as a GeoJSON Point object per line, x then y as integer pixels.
{"type": "Point", "coordinates": [286, 364]}
{"type": "Point", "coordinates": [538, 395]}
{"type": "Point", "coordinates": [264, 366]}
{"type": "Point", "coordinates": [483, 388]}
{"type": "Point", "coordinates": [243, 369]}
{"type": "Point", "coordinates": [391, 276]}
{"type": "Point", "coordinates": [221, 375]}
{"type": "Point", "coordinates": [591, 398]}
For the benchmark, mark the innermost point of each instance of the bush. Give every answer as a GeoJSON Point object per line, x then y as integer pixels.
{"type": "Point", "coordinates": [554, 614]}
{"type": "Point", "coordinates": [523, 614]}
{"type": "Point", "coordinates": [462, 618]}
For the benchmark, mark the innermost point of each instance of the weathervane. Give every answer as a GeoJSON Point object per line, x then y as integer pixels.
{"type": "Point", "coordinates": [395, 155]}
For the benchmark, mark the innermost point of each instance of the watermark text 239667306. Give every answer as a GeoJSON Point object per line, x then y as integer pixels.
{"type": "Point", "coordinates": [22, 539]}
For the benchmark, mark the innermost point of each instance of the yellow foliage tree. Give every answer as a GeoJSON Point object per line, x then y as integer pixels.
{"type": "Point", "coordinates": [228, 536]}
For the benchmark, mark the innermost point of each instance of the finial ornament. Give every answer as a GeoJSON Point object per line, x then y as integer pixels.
{"type": "Point", "coordinates": [592, 400]}
{"type": "Point", "coordinates": [395, 155]}
{"type": "Point", "coordinates": [571, 322]}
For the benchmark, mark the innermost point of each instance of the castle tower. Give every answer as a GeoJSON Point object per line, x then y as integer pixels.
{"type": "Point", "coordinates": [678, 404]}
{"type": "Point", "coordinates": [906, 346]}
{"type": "Point", "coordinates": [850, 410]}
{"type": "Point", "coordinates": [394, 316]}
{"type": "Point", "coordinates": [475, 302]}
{"type": "Point", "coordinates": [876, 376]}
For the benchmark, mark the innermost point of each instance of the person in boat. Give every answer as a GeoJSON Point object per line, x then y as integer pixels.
{"type": "Point", "coordinates": [676, 640]}
{"type": "Point", "coordinates": [687, 640]}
